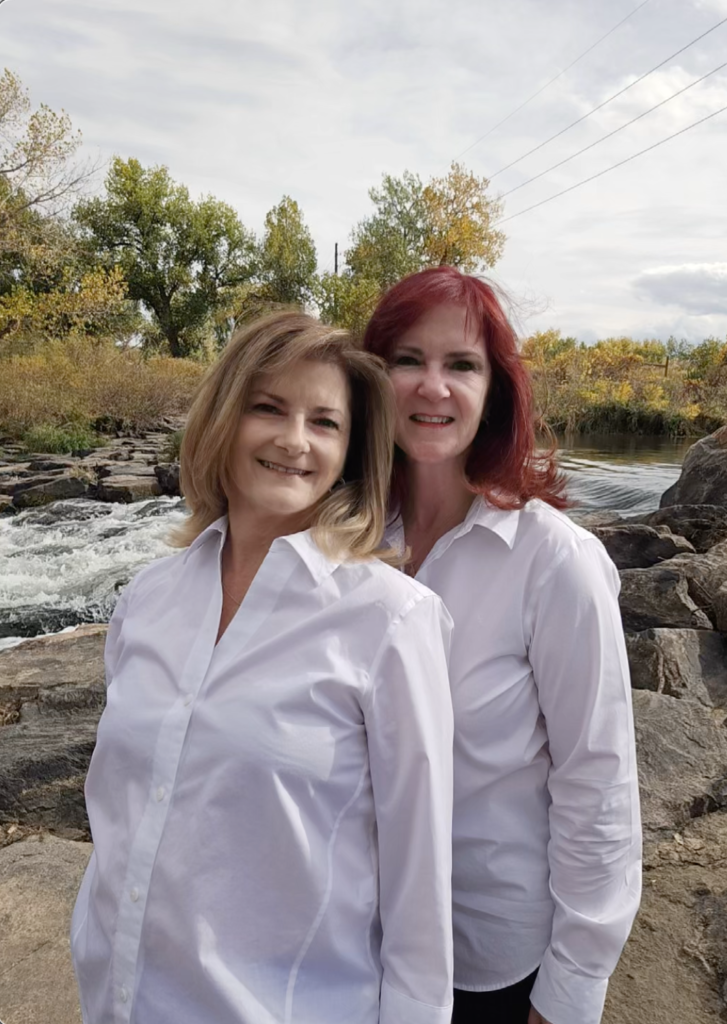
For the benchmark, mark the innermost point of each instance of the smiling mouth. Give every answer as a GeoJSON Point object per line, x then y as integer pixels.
{"type": "Point", "coordinates": [285, 470]}
{"type": "Point", "coordinates": [432, 421]}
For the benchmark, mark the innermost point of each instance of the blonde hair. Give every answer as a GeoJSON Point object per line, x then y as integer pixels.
{"type": "Point", "coordinates": [349, 522]}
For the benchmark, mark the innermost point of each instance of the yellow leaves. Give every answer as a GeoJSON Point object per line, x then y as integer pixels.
{"type": "Point", "coordinates": [89, 305]}
{"type": "Point", "coordinates": [460, 220]}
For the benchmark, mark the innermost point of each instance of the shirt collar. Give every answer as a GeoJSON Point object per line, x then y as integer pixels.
{"type": "Point", "coordinates": [318, 564]}
{"type": "Point", "coordinates": [502, 522]}
{"type": "Point", "coordinates": [218, 529]}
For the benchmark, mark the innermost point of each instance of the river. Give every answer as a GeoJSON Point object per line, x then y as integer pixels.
{"type": "Point", "coordinates": [66, 563]}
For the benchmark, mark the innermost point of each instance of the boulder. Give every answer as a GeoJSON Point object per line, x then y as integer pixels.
{"type": "Point", "coordinates": [703, 479]}
{"type": "Point", "coordinates": [56, 489]}
{"type": "Point", "coordinates": [51, 697]}
{"type": "Point", "coordinates": [128, 488]}
{"type": "Point", "coordinates": [719, 606]}
{"type": "Point", "coordinates": [133, 468]}
{"type": "Point", "coordinates": [702, 525]}
{"type": "Point", "coordinates": [45, 463]}
{"type": "Point", "coordinates": [682, 754]}
{"type": "Point", "coordinates": [705, 574]}
{"type": "Point", "coordinates": [634, 546]}
{"type": "Point", "coordinates": [658, 596]}
{"type": "Point", "coordinates": [683, 663]}
{"type": "Point", "coordinates": [39, 881]}
{"type": "Point", "coordinates": [6, 502]}
{"type": "Point", "coordinates": [167, 473]}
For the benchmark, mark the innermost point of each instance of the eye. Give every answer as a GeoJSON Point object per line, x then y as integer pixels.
{"type": "Point", "coordinates": [463, 365]}
{"type": "Point", "coordinates": [266, 407]}
{"type": "Point", "coordinates": [323, 421]}
{"type": "Point", "coordinates": [405, 360]}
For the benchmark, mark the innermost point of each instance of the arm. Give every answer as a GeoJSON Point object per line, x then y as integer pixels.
{"type": "Point", "coordinates": [111, 648]}
{"type": "Point", "coordinates": [409, 726]}
{"type": "Point", "coordinates": [579, 663]}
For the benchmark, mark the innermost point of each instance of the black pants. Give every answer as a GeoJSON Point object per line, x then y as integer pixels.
{"type": "Point", "coordinates": [509, 1005]}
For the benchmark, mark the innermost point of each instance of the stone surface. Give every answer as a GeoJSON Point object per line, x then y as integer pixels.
{"type": "Point", "coordinates": [675, 963]}
{"type": "Point", "coordinates": [128, 488]}
{"type": "Point", "coordinates": [51, 696]}
{"type": "Point", "coordinates": [659, 596]}
{"type": "Point", "coordinates": [57, 489]}
{"type": "Point", "coordinates": [6, 501]}
{"type": "Point", "coordinates": [682, 754]}
{"type": "Point", "coordinates": [684, 663]}
{"type": "Point", "coordinates": [167, 473]}
{"type": "Point", "coordinates": [702, 525]}
{"type": "Point", "coordinates": [720, 608]}
{"type": "Point", "coordinates": [703, 480]}
{"type": "Point", "coordinates": [39, 880]}
{"type": "Point", "coordinates": [635, 546]}
{"type": "Point", "coordinates": [705, 574]}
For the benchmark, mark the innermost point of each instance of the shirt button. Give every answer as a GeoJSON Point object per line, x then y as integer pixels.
{"type": "Point", "coordinates": [187, 699]}
{"type": "Point", "coordinates": [123, 994]}
{"type": "Point", "coordinates": [161, 793]}
{"type": "Point", "coordinates": [134, 894]}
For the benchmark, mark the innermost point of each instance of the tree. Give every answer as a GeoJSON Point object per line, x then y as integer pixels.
{"type": "Point", "coordinates": [181, 258]}
{"type": "Point", "coordinates": [448, 221]}
{"type": "Point", "coordinates": [37, 170]}
{"type": "Point", "coordinates": [287, 256]}
{"type": "Point", "coordinates": [460, 222]}
{"type": "Point", "coordinates": [347, 300]}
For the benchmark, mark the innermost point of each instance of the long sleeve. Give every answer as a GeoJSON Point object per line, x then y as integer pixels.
{"type": "Point", "coordinates": [409, 729]}
{"type": "Point", "coordinates": [114, 632]}
{"type": "Point", "coordinates": [579, 661]}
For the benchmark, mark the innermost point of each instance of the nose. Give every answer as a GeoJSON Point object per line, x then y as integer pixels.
{"type": "Point", "coordinates": [433, 385]}
{"type": "Point", "coordinates": [292, 437]}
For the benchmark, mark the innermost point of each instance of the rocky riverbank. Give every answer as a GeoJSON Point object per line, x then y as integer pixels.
{"type": "Point", "coordinates": [125, 469]}
{"type": "Point", "coordinates": [673, 566]}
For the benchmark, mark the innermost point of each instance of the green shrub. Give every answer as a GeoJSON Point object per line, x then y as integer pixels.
{"type": "Point", "coordinates": [60, 440]}
{"type": "Point", "coordinates": [173, 446]}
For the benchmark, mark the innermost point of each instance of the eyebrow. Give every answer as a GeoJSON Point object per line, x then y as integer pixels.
{"type": "Point", "coordinates": [468, 353]}
{"type": "Point", "coordinates": [281, 401]}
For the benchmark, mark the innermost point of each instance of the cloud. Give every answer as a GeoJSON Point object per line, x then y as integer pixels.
{"type": "Point", "coordinates": [698, 288]}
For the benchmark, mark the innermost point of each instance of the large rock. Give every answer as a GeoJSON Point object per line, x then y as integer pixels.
{"type": "Point", "coordinates": [702, 525]}
{"type": "Point", "coordinates": [659, 596]}
{"type": "Point", "coordinates": [39, 880]}
{"type": "Point", "coordinates": [51, 697]}
{"type": "Point", "coordinates": [128, 488]}
{"type": "Point", "coordinates": [675, 962]}
{"type": "Point", "coordinates": [682, 754]}
{"type": "Point", "coordinates": [635, 546]}
{"type": "Point", "coordinates": [684, 663]}
{"type": "Point", "coordinates": [703, 479]}
{"type": "Point", "coordinates": [705, 574]}
{"type": "Point", "coordinates": [56, 489]}
{"type": "Point", "coordinates": [167, 473]}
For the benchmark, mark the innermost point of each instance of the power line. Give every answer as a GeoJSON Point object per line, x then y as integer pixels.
{"type": "Point", "coordinates": [614, 132]}
{"type": "Point", "coordinates": [612, 167]}
{"type": "Point", "coordinates": [610, 98]}
{"type": "Point", "coordinates": [550, 82]}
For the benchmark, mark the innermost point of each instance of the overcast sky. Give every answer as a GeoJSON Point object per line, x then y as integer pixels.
{"type": "Point", "coordinates": [318, 98]}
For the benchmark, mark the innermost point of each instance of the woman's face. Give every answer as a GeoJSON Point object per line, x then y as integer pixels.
{"type": "Point", "coordinates": [292, 440]}
{"type": "Point", "coordinates": [441, 375]}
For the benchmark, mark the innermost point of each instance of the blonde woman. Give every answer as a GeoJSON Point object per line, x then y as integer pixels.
{"type": "Point", "coordinates": [270, 795]}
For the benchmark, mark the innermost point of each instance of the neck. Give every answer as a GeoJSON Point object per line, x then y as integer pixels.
{"type": "Point", "coordinates": [250, 534]}
{"type": "Point", "coordinates": [437, 497]}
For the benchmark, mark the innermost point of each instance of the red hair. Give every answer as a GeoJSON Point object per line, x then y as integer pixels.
{"type": "Point", "coordinates": [503, 464]}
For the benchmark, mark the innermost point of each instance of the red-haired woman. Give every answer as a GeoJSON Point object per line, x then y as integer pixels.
{"type": "Point", "coordinates": [547, 848]}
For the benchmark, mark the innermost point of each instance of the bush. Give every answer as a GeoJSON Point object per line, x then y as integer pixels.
{"type": "Point", "coordinates": [82, 381]}
{"type": "Point", "coordinates": [173, 446]}
{"type": "Point", "coordinates": [60, 440]}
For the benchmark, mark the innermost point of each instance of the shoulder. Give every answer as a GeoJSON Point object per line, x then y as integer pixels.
{"type": "Point", "coordinates": [160, 572]}
{"type": "Point", "coordinates": [546, 534]}
{"type": "Point", "coordinates": [390, 587]}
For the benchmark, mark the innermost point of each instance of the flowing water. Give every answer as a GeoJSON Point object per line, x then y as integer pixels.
{"type": "Point", "coordinates": [65, 564]}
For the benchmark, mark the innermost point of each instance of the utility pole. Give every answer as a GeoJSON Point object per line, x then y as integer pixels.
{"type": "Point", "coordinates": [335, 260]}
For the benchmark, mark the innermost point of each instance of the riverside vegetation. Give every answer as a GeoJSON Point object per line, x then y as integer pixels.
{"type": "Point", "coordinates": [113, 302]}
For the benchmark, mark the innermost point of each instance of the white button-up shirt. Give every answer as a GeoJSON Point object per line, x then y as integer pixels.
{"type": "Point", "coordinates": [547, 850]}
{"type": "Point", "coordinates": [271, 815]}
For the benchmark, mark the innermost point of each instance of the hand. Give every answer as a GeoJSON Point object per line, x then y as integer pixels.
{"type": "Point", "coordinates": [535, 1018]}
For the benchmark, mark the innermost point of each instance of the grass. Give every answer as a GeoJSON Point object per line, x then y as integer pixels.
{"type": "Point", "coordinates": [60, 440]}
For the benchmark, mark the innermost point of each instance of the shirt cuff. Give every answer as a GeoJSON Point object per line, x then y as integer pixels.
{"type": "Point", "coordinates": [396, 1008]}
{"type": "Point", "coordinates": [563, 997]}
